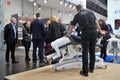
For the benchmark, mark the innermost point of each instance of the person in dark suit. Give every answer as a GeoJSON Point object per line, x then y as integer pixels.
{"type": "Point", "coordinates": [26, 40]}
{"type": "Point", "coordinates": [10, 37]}
{"type": "Point", "coordinates": [38, 35]}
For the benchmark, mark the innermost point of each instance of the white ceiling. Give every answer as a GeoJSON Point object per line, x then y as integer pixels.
{"type": "Point", "coordinates": [55, 5]}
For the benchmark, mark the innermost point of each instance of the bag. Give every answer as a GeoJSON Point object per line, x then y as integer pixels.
{"type": "Point", "coordinates": [49, 50]}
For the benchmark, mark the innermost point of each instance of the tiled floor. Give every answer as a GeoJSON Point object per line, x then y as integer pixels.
{"type": "Point", "coordinates": [15, 68]}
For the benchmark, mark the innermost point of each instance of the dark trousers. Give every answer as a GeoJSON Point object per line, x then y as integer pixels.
{"type": "Point", "coordinates": [27, 45]}
{"type": "Point", "coordinates": [88, 38]}
{"type": "Point", "coordinates": [40, 44]}
{"type": "Point", "coordinates": [103, 50]}
{"type": "Point", "coordinates": [10, 48]}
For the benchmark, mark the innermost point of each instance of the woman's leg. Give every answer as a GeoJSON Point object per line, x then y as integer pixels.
{"type": "Point", "coordinates": [102, 50]}
{"type": "Point", "coordinates": [27, 46]}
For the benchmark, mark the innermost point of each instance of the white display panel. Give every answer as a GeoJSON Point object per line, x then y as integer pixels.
{"type": "Point", "coordinates": [114, 14]}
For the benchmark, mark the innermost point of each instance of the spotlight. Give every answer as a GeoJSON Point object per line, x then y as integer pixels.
{"type": "Point", "coordinates": [45, 1]}
{"type": "Point", "coordinates": [70, 14]}
{"type": "Point", "coordinates": [39, 7]}
{"type": "Point", "coordinates": [73, 6]}
{"type": "Point", "coordinates": [35, 3]}
{"type": "Point", "coordinates": [26, 14]}
{"type": "Point", "coordinates": [60, 2]}
{"type": "Point", "coordinates": [70, 5]}
{"type": "Point", "coordinates": [65, 3]}
{"type": "Point", "coordinates": [34, 16]}
{"type": "Point", "coordinates": [59, 13]}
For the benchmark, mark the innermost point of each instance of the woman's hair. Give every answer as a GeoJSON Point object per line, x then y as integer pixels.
{"type": "Point", "coordinates": [24, 24]}
{"type": "Point", "coordinates": [53, 19]}
{"type": "Point", "coordinates": [103, 22]}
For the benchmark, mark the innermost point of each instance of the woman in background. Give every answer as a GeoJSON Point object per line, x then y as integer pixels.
{"type": "Point", "coordinates": [27, 40]}
{"type": "Point", "coordinates": [55, 29]}
{"type": "Point", "coordinates": [104, 38]}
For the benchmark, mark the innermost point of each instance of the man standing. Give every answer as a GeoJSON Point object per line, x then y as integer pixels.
{"type": "Point", "coordinates": [10, 37]}
{"type": "Point", "coordinates": [38, 35]}
{"type": "Point", "coordinates": [87, 21]}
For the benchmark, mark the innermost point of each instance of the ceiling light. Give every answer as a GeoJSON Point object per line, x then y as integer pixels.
{"type": "Point", "coordinates": [70, 5]}
{"type": "Point", "coordinates": [26, 14]}
{"type": "Point", "coordinates": [45, 1]}
{"type": "Point", "coordinates": [65, 3]}
{"type": "Point", "coordinates": [39, 7]}
{"type": "Point", "coordinates": [35, 3]}
{"type": "Point", "coordinates": [34, 16]}
{"type": "Point", "coordinates": [59, 13]}
{"type": "Point", "coordinates": [70, 14]}
{"type": "Point", "coordinates": [73, 6]}
{"type": "Point", "coordinates": [60, 2]}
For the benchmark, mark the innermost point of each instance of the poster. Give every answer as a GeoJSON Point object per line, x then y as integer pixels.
{"type": "Point", "coordinates": [117, 24]}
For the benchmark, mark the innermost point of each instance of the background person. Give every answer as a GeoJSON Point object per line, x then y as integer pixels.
{"type": "Point", "coordinates": [26, 40]}
{"type": "Point", "coordinates": [38, 35]}
{"type": "Point", "coordinates": [104, 39]}
{"type": "Point", "coordinates": [55, 29]}
{"type": "Point", "coordinates": [10, 37]}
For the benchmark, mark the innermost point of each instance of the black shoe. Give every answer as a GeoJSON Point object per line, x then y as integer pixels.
{"type": "Point", "coordinates": [82, 73]}
{"type": "Point", "coordinates": [27, 60]}
{"type": "Point", "coordinates": [34, 61]}
{"type": "Point", "coordinates": [104, 59]}
{"type": "Point", "coordinates": [41, 61]}
{"type": "Point", "coordinates": [14, 62]}
{"type": "Point", "coordinates": [91, 71]}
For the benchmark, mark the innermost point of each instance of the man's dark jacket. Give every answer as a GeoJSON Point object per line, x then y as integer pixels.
{"type": "Point", "coordinates": [9, 35]}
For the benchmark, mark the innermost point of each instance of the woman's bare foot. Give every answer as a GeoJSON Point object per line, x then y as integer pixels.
{"type": "Point", "coordinates": [50, 61]}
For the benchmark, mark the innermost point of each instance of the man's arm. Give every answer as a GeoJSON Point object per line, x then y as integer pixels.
{"type": "Point", "coordinates": [43, 29]}
{"type": "Point", "coordinates": [31, 28]}
{"type": "Point", "coordinates": [5, 32]}
{"type": "Point", "coordinates": [72, 24]}
{"type": "Point", "coordinates": [69, 30]}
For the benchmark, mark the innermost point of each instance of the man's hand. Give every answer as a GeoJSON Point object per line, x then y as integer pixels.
{"type": "Point", "coordinates": [69, 30]}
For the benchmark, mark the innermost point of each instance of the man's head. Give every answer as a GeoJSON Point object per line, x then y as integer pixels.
{"type": "Point", "coordinates": [13, 20]}
{"type": "Point", "coordinates": [79, 7]}
{"type": "Point", "coordinates": [60, 20]}
{"type": "Point", "coordinates": [38, 15]}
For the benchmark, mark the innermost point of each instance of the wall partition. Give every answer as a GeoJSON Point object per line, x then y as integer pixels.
{"type": "Point", "coordinates": [114, 15]}
{"type": "Point", "coordinates": [1, 23]}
